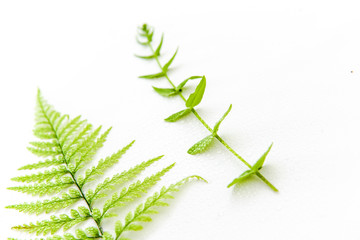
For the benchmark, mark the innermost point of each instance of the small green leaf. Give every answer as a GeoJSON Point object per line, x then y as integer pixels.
{"type": "Point", "coordinates": [153, 76]}
{"type": "Point", "coordinates": [166, 92]}
{"type": "Point", "coordinates": [145, 57]}
{"type": "Point", "coordinates": [134, 227]}
{"type": "Point", "coordinates": [141, 42]}
{"type": "Point", "coordinates": [167, 65]}
{"type": "Point", "coordinates": [96, 213]}
{"type": "Point", "coordinates": [150, 36]}
{"type": "Point", "coordinates": [196, 97]}
{"type": "Point", "coordinates": [178, 115]}
{"type": "Point", "coordinates": [242, 177]}
{"type": "Point", "coordinates": [84, 211]}
{"type": "Point", "coordinates": [201, 145]}
{"type": "Point", "coordinates": [182, 84]}
{"type": "Point", "coordinates": [92, 232]}
{"type": "Point", "coordinates": [258, 165]}
{"type": "Point", "coordinates": [216, 127]}
{"type": "Point", "coordinates": [157, 51]}
{"type": "Point", "coordinates": [144, 218]}
{"type": "Point", "coordinates": [118, 228]}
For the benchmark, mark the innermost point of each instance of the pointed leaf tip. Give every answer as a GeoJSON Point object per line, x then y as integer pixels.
{"type": "Point", "coordinates": [157, 51]}
{"type": "Point", "coordinates": [196, 97]}
{"type": "Point", "coordinates": [182, 84]}
{"type": "Point", "coordinates": [242, 177]}
{"type": "Point", "coordinates": [217, 125]}
{"type": "Point", "coordinates": [153, 76]}
{"type": "Point", "coordinates": [176, 116]}
{"type": "Point", "coordinates": [201, 145]}
{"type": "Point", "coordinates": [166, 92]}
{"type": "Point", "coordinates": [145, 57]}
{"type": "Point", "coordinates": [167, 65]}
{"type": "Point", "coordinates": [258, 165]}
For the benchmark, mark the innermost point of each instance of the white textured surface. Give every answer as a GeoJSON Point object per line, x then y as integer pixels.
{"type": "Point", "coordinates": [285, 67]}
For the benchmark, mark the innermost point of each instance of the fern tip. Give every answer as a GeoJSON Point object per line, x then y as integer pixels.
{"type": "Point", "coordinates": [199, 178]}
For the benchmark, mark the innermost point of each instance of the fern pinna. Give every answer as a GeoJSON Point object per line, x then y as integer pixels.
{"type": "Point", "coordinates": [68, 146]}
{"type": "Point", "coordinates": [145, 38]}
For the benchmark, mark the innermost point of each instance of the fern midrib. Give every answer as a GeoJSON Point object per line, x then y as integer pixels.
{"type": "Point", "coordinates": [71, 174]}
{"type": "Point", "coordinates": [207, 126]}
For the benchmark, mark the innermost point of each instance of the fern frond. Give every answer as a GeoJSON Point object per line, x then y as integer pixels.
{"type": "Point", "coordinates": [117, 179]}
{"type": "Point", "coordinates": [49, 205]}
{"type": "Point", "coordinates": [45, 188]}
{"type": "Point", "coordinates": [134, 190]}
{"type": "Point", "coordinates": [144, 210]}
{"type": "Point", "coordinates": [70, 144]}
{"type": "Point", "coordinates": [56, 223]}
{"type": "Point", "coordinates": [43, 176]}
{"type": "Point", "coordinates": [104, 164]}
{"type": "Point", "coordinates": [43, 164]}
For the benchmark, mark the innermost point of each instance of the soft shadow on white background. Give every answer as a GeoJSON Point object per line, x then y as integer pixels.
{"type": "Point", "coordinates": [291, 71]}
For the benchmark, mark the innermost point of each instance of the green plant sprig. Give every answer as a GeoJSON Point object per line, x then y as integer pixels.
{"type": "Point", "coordinates": [69, 144]}
{"type": "Point", "coordinates": [145, 38]}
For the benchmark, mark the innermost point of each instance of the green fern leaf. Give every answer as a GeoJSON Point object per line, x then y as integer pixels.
{"type": "Point", "coordinates": [118, 179]}
{"type": "Point", "coordinates": [105, 164]}
{"type": "Point", "coordinates": [77, 136]}
{"type": "Point", "coordinates": [45, 188]}
{"type": "Point", "coordinates": [44, 152]}
{"type": "Point", "coordinates": [69, 144]}
{"type": "Point", "coordinates": [46, 145]}
{"type": "Point", "coordinates": [90, 148]}
{"type": "Point", "coordinates": [43, 164]}
{"type": "Point", "coordinates": [67, 128]}
{"type": "Point", "coordinates": [43, 176]}
{"type": "Point", "coordinates": [49, 205]}
{"type": "Point", "coordinates": [55, 223]}
{"type": "Point", "coordinates": [144, 210]}
{"type": "Point", "coordinates": [134, 190]}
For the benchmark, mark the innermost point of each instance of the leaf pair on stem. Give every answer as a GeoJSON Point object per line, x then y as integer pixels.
{"type": "Point", "coordinates": [253, 170]}
{"type": "Point", "coordinates": [193, 100]}
{"type": "Point", "coordinates": [205, 142]}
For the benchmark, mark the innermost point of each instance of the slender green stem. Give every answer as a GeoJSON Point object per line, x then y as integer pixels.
{"type": "Point", "coordinates": [208, 127]}
{"type": "Point", "coordinates": [72, 174]}
{"type": "Point", "coordinates": [266, 181]}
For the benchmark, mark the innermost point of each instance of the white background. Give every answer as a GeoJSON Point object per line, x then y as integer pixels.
{"type": "Point", "coordinates": [290, 69]}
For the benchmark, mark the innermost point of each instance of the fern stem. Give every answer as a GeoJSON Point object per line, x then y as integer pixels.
{"type": "Point", "coordinates": [208, 127]}
{"type": "Point", "coordinates": [67, 168]}
{"type": "Point", "coordinates": [87, 202]}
